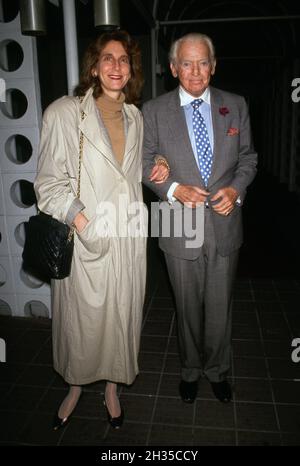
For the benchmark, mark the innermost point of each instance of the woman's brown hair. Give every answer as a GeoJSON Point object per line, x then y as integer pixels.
{"type": "Point", "coordinates": [133, 88]}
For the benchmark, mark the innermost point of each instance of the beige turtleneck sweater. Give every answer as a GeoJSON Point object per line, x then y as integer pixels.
{"type": "Point", "coordinates": [112, 117]}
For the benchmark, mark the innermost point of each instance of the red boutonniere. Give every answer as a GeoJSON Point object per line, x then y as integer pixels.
{"type": "Point", "coordinates": [223, 111]}
{"type": "Point", "coordinates": [232, 131]}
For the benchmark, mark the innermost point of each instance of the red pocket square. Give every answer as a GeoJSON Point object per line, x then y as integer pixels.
{"type": "Point", "coordinates": [232, 131]}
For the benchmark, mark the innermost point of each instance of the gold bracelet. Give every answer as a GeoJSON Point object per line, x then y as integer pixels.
{"type": "Point", "coordinates": [162, 161]}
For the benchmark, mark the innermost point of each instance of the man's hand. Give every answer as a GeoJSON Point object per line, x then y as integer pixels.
{"type": "Point", "coordinates": [190, 195]}
{"type": "Point", "coordinates": [159, 173]}
{"type": "Point", "coordinates": [227, 197]}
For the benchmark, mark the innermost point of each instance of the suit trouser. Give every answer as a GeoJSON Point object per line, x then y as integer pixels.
{"type": "Point", "coordinates": [203, 295]}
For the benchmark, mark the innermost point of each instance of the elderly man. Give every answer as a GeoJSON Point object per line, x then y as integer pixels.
{"type": "Point", "coordinates": [204, 133]}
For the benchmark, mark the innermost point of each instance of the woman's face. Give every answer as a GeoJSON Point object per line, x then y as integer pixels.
{"type": "Point", "coordinates": [113, 69]}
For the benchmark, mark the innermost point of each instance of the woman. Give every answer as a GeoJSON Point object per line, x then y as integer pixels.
{"type": "Point", "coordinates": [97, 310]}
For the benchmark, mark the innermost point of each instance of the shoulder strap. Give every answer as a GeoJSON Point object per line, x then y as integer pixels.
{"type": "Point", "coordinates": [80, 153]}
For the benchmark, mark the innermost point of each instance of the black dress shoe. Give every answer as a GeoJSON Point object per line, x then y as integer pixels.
{"type": "Point", "coordinates": [58, 423]}
{"type": "Point", "coordinates": [115, 422]}
{"type": "Point", "coordinates": [222, 391]}
{"type": "Point", "coordinates": [188, 391]}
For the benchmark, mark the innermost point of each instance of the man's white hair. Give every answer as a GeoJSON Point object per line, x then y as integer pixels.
{"type": "Point", "coordinates": [192, 37]}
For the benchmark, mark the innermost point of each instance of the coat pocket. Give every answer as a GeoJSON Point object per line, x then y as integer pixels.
{"type": "Point", "coordinates": [94, 237]}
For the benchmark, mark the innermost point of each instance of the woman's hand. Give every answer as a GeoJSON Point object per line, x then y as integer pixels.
{"type": "Point", "coordinates": [160, 172]}
{"type": "Point", "coordinates": [80, 221]}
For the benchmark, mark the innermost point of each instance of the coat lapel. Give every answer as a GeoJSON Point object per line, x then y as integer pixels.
{"type": "Point", "coordinates": [94, 130]}
{"type": "Point", "coordinates": [131, 137]}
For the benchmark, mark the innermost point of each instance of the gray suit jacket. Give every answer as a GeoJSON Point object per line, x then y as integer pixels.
{"type": "Point", "coordinates": [234, 160]}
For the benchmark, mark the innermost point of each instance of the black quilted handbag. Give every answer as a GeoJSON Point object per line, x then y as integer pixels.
{"type": "Point", "coordinates": [48, 248]}
{"type": "Point", "coordinates": [49, 244]}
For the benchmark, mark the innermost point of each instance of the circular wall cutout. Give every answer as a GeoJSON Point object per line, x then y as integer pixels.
{"type": "Point", "coordinates": [15, 105]}
{"type": "Point", "coordinates": [11, 55]}
{"type": "Point", "coordinates": [18, 149]}
{"type": "Point", "coordinates": [36, 309]}
{"type": "Point", "coordinates": [30, 281]}
{"type": "Point", "coordinates": [5, 309]}
{"type": "Point", "coordinates": [22, 193]}
{"type": "Point", "coordinates": [3, 276]}
{"type": "Point", "coordinates": [20, 234]}
{"type": "Point", "coordinates": [9, 11]}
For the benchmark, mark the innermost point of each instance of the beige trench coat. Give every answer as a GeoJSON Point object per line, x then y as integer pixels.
{"type": "Point", "coordinates": [97, 310]}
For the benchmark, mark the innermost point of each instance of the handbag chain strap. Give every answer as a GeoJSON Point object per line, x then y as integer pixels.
{"type": "Point", "coordinates": [80, 153]}
{"type": "Point", "coordinates": [71, 232]}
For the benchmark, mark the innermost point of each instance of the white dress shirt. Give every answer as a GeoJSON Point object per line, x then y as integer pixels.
{"type": "Point", "coordinates": [185, 101]}
{"type": "Point", "coordinates": [205, 109]}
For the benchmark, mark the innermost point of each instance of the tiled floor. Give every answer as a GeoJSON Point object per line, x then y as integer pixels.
{"type": "Point", "coordinates": [266, 382]}
{"type": "Point", "coordinates": [266, 405]}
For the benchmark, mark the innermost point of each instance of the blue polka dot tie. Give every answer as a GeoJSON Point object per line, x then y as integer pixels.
{"type": "Point", "coordinates": [203, 146]}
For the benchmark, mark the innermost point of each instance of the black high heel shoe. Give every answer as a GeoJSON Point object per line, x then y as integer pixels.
{"type": "Point", "coordinates": [58, 423]}
{"type": "Point", "coordinates": [115, 422]}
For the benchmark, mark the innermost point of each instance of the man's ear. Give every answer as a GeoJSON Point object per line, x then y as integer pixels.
{"type": "Point", "coordinates": [173, 70]}
{"type": "Point", "coordinates": [213, 68]}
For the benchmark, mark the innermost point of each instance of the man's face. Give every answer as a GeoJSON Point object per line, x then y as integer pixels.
{"type": "Point", "coordinates": [193, 67]}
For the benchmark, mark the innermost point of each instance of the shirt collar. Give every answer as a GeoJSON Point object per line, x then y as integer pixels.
{"type": "Point", "coordinates": [186, 98]}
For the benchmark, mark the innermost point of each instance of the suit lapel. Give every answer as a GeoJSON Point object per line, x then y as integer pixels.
{"type": "Point", "coordinates": [218, 122]}
{"type": "Point", "coordinates": [178, 127]}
